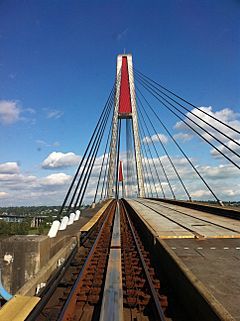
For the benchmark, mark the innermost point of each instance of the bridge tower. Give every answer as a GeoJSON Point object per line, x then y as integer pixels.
{"type": "Point", "coordinates": [125, 108]}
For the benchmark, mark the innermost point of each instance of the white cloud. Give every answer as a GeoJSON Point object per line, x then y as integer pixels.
{"type": "Point", "coordinates": [183, 136]}
{"type": "Point", "coordinates": [219, 172]}
{"type": "Point", "coordinates": [54, 114]}
{"type": "Point", "coordinates": [30, 110]}
{"type": "Point", "coordinates": [3, 194]}
{"type": "Point", "coordinates": [226, 151]}
{"type": "Point", "coordinates": [19, 188]}
{"type": "Point", "coordinates": [9, 168]}
{"type": "Point", "coordinates": [60, 160]}
{"type": "Point", "coordinates": [155, 138]}
{"type": "Point", "coordinates": [16, 179]}
{"type": "Point", "coordinates": [223, 179]}
{"type": "Point", "coordinates": [55, 179]}
{"type": "Point", "coordinates": [226, 115]}
{"type": "Point", "coordinates": [24, 189]}
{"type": "Point", "coordinates": [9, 112]}
{"type": "Point", "coordinates": [200, 194]}
{"type": "Point", "coordinates": [43, 143]}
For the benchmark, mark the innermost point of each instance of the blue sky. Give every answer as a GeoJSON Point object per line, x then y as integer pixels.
{"type": "Point", "coordinates": [57, 66]}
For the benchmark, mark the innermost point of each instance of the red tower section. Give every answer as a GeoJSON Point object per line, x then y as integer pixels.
{"type": "Point", "coordinates": [125, 100]}
{"type": "Point", "coordinates": [120, 176]}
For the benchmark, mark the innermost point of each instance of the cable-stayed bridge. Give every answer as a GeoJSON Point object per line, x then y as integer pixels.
{"type": "Point", "coordinates": [150, 250]}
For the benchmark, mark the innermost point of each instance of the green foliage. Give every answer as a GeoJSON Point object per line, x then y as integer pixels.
{"type": "Point", "coordinates": [30, 210]}
{"type": "Point", "coordinates": [41, 229]}
{"type": "Point", "coordinates": [7, 228]}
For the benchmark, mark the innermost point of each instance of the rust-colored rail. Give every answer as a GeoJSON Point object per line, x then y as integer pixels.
{"type": "Point", "coordinates": [87, 283]}
{"type": "Point", "coordinates": [55, 294]}
{"type": "Point", "coordinates": [142, 288]}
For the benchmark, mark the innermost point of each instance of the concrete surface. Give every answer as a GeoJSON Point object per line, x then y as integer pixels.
{"type": "Point", "coordinates": [23, 256]}
{"type": "Point", "coordinates": [205, 270]}
{"type": "Point", "coordinates": [216, 263]}
{"type": "Point", "coordinates": [173, 221]}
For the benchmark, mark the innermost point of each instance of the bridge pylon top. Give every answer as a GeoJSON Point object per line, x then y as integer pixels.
{"type": "Point", "coordinates": [125, 108]}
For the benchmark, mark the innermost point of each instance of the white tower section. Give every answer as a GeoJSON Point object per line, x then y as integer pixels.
{"type": "Point", "coordinates": [124, 78]}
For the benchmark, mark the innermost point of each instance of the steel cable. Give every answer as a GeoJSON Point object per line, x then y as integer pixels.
{"type": "Point", "coordinates": [199, 109]}
{"type": "Point", "coordinates": [225, 156]}
{"type": "Point", "coordinates": [160, 141]}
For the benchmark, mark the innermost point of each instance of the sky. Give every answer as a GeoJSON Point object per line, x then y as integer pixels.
{"type": "Point", "coordinates": [57, 67]}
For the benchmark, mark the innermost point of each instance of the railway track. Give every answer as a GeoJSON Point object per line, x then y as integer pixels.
{"type": "Point", "coordinates": [151, 204]}
{"type": "Point", "coordinates": [110, 277]}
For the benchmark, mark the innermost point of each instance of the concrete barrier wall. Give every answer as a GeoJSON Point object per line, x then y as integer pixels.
{"type": "Point", "coordinates": [29, 288]}
{"type": "Point", "coordinates": [197, 302]}
{"type": "Point", "coordinates": [23, 257]}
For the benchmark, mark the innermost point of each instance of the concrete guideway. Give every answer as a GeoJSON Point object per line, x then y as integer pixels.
{"type": "Point", "coordinates": [172, 221]}
{"type": "Point", "coordinates": [210, 263]}
{"type": "Point", "coordinates": [226, 222]}
{"type": "Point", "coordinates": [115, 278]}
{"type": "Point", "coordinates": [205, 269]}
{"type": "Point", "coordinates": [216, 264]}
{"type": "Point", "coordinates": [112, 304]}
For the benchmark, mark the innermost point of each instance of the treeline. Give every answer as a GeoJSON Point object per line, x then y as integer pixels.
{"type": "Point", "coordinates": [9, 228]}
{"type": "Point", "coordinates": [29, 210]}
{"type": "Point", "coordinates": [34, 210]}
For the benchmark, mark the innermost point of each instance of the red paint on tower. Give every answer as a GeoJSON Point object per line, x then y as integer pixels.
{"type": "Point", "coordinates": [120, 177]}
{"type": "Point", "coordinates": [125, 101]}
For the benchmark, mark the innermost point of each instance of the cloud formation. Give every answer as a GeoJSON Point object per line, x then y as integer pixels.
{"type": "Point", "coordinates": [226, 151]}
{"type": "Point", "coordinates": [223, 179]}
{"type": "Point", "coordinates": [18, 188]}
{"type": "Point", "coordinates": [226, 115]}
{"type": "Point", "coordinates": [155, 138]}
{"type": "Point", "coordinates": [9, 168]}
{"type": "Point", "coordinates": [60, 160]}
{"type": "Point", "coordinates": [43, 143]}
{"type": "Point", "coordinates": [3, 194]}
{"type": "Point", "coordinates": [57, 179]}
{"type": "Point", "coordinates": [9, 112]}
{"type": "Point", "coordinates": [54, 113]}
{"type": "Point", "coordinates": [183, 136]}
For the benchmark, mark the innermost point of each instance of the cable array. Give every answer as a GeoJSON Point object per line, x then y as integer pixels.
{"type": "Point", "coordinates": [77, 189]}
{"type": "Point", "coordinates": [166, 101]}
{"type": "Point", "coordinates": [162, 177]}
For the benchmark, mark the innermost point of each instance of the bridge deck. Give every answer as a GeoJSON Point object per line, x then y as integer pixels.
{"type": "Point", "coordinates": [216, 263]}
{"type": "Point", "coordinates": [207, 245]}
{"type": "Point", "coordinates": [173, 221]}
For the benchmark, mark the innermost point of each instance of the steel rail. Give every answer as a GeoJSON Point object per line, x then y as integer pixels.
{"type": "Point", "coordinates": [51, 287]}
{"type": "Point", "coordinates": [170, 219]}
{"type": "Point", "coordinates": [198, 218]}
{"type": "Point", "coordinates": [158, 309]}
{"type": "Point", "coordinates": [69, 302]}
{"type": "Point", "coordinates": [52, 284]}
{"type": "Point", "coordinates": [220, 211]}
